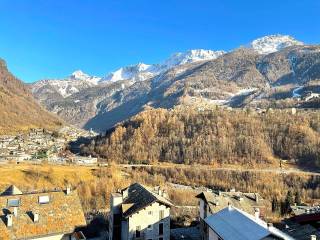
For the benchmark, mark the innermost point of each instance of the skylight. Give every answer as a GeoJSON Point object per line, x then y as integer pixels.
{"type": "Point", "coordinates": [44, 199]}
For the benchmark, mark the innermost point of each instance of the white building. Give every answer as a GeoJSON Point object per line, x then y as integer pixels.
{"type": "Point", "coordinates": [231, 223]}
{"type": "Point", "coordinates": [139, 213]}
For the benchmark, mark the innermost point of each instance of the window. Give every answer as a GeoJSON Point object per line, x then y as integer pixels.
{"type": "Point", "coordinates": [150, 213]}
{"type": "Point", "coordinates": [161, 229]}
{"type": "Point", "coordinates": [150, 227]}
{"type": "Point", "coordinates": [161, 214]}
{"type": "Point", "coordinates": [44, 199]}
{"type": "Point", "coordinates": [13, 202]}
{"type": "Point", "coordinates": [138, 231]}
{"type": "Point", "coordinates": [161, 238]}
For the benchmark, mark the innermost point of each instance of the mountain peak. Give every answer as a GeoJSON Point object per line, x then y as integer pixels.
{"type": "Point", "coordinates": [192, 56]}
{"type": "Point", "coordinates": [78, 74]}
{"type": "Point", "coordinates": [273, 43]}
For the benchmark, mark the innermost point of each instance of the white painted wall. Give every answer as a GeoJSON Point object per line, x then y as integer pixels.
{"type": "Point", "coordinates": [143, 219]}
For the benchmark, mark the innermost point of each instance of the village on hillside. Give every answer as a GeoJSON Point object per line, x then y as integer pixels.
{"type": "Point", "coordinates": [38, 145]}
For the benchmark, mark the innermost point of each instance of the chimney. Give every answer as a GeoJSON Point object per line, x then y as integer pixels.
{"type": "Point", "coordinates": [270, 225]}
{"type": "Point", "coordinates": [229, 206]}
{"type": "Point", "coordinates": [313, 237]}
{"type": "Point", "coordinates": [165, 194]}
{"type": "Point", "coordinates": [35, 217]}
{"type": "Point", "coordinates": [256, 197]}
{"type": "Point", "coordinates": [257, 213]}
{"type": "Point", "coordinates": [125, 193]}
{"type": "Point", "coordinates": [232, 190]}
{"type": "Point", "coordinates": [9, 220]}
{"type": "Point", "coordinates": [159, 191]}
{"type": "Point", "coordinates": [68, 190]}
{"type": "Point", "coordinates": [15, 211]}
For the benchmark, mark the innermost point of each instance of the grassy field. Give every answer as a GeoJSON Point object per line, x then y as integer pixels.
{"type": "Point", "coordinates": [36, 177]}
{"type": "Point", "coordinates": [94, 184]}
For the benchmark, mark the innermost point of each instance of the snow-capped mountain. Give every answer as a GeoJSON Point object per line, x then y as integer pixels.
{"type": "Point", "coordinates": [273, 43]}
{"type": "Point", "coordinates": [79, 75]}
{"type": "Point", "coordinates": [141, 71]}
{"type": "Point", "coordinates": [138, 72]}
{"type": "Point", "coordinates": [77, 81]}
{"type": "Point", "coordinates": [190, 57]}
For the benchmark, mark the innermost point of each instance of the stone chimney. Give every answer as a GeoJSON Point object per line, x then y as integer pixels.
{"type": "Point", "coordinates": [9, 218]}
{"type": "Point", "coordinates": [313, 237]}
{"type": "Point", "coordinates": [15, 211]}
{"type": "Point", "coordinates": [35, 217]}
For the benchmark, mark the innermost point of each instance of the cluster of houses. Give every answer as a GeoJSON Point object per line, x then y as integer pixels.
{"type": "Point", "coordinates": [41, 144]}
{"type": "Point", "coordinates": [142, 213]}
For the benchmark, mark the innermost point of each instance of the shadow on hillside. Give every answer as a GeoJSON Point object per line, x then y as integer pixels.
{"type": "Point", "coordinates": [75, 146]}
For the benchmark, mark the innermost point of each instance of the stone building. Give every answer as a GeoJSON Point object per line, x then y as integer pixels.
{"type": "Point", "coordinates": [139, 213]}
{"type": "Point", "coordinates": [53, 215]}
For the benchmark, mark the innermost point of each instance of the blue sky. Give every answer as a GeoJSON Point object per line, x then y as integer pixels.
{"type": "Point", "coordinates": [52, 38]}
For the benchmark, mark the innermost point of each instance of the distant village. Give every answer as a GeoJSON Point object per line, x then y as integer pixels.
{"type": "Point", "coordinates": [40, 145]}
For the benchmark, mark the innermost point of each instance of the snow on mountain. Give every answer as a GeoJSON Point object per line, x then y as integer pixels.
{"type": "Point", "coordinates": [273, 43]}
{"type": "Point", "coordinates": [138, 72]}
{"type": "Point", "coordinates": [190, 57]}
{"type": "Point", "coordinates": [141, 71]}
{"type": "Point", "coordinates": [77, 81]}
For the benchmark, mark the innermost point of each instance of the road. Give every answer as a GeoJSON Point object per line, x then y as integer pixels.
{"type": "Point", "coordinates": [205, 167]}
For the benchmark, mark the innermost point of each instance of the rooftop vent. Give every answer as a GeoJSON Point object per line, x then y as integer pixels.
{"type": "Point", "coordinates": [15, 211]}
{"type": "Point", "coordinates": [68, 190]}
{"type": "Point", "coordinates": [35, 217]}
{"type": "Point", "coordinates": [9, 218]}
{"type": "Point", "coordinates": [257, 213]}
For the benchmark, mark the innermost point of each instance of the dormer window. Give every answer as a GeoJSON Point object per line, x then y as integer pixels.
{"type": "Point", "coordinates": [44, 199]}
{"type": "Point", "coordinates": [13, 202]}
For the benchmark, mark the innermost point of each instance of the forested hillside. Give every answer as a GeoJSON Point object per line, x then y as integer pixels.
{"type": "Point", "coordinates": [18, 109]}
{"type": "Point", "coordinates": [191, 135]}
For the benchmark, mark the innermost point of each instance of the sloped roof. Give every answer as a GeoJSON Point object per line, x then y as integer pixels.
{"type": "Point", "coordinates": [234, 224]}
{"type": "Point", "coordinates": [218, 201]}
{"type": "Point", "coordinates": [140, 197]}
{"type": "Point", "coordinates": [11, 190]}
{"type": "Point", "coordinates": [300, 232]}
{"type": "Point", "coordinates": [62, 214]}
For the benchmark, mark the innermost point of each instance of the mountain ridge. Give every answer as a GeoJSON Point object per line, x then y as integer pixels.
{"type": "Point", "coordinates": [19, 111]}
{"type": "Point", "coordinates": [239, 78]}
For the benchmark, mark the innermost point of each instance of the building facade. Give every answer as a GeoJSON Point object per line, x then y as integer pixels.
{"type": "Point", "coordinates": [139, 213]}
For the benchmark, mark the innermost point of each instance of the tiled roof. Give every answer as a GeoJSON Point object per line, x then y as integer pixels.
{"type": "Point", "coordinates": [62, 214]}
{"type": "Point", "coordinates": [140, 197]}
{"type": "Point", "coordinates": [244, 201]}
